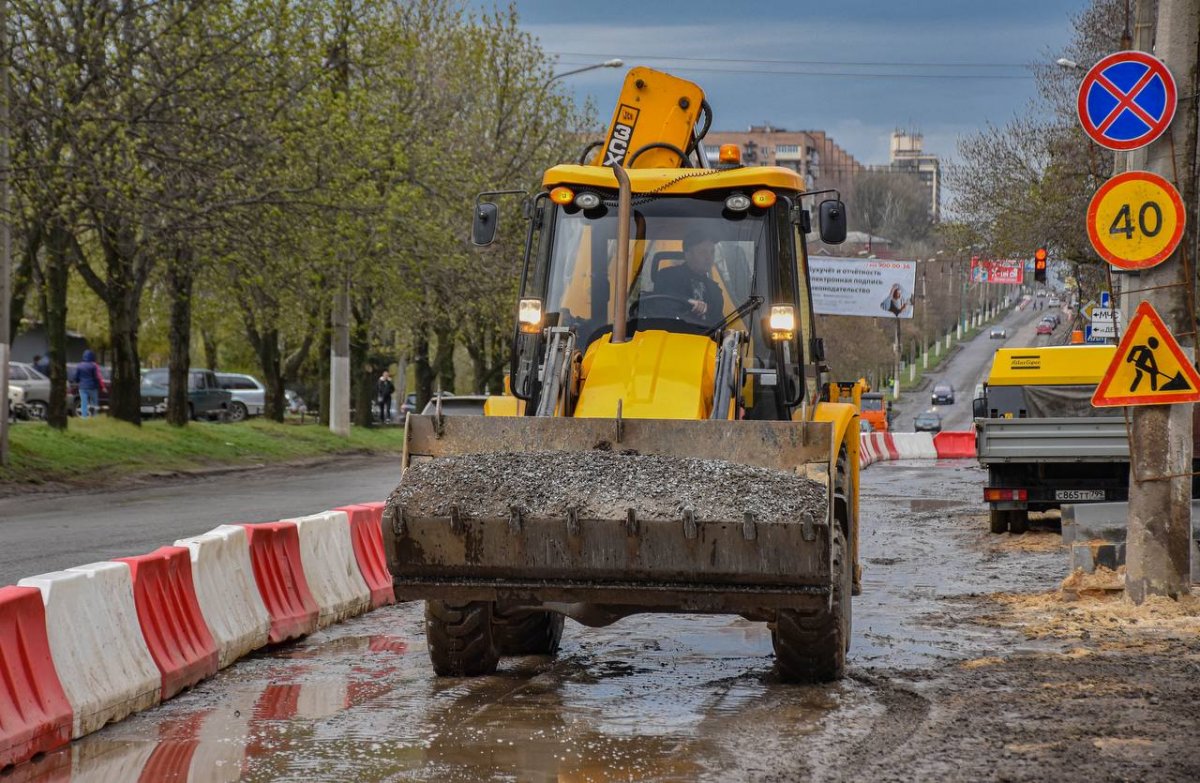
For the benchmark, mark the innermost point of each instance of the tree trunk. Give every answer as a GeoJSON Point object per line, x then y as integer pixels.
{"type": "Point", "coordinates": [422, 369]}
{"type": "Point", "coordinates": [210, 348]}
{"type": "Point", "coordinates": [323, 363]}
{"type": "Point", "coordinates": [180, 280]}
{"type": "Point", "coordinates": [55, 281]}
{"type": "Point", "coordinates": [443, 360]}
{"type": "Point", "coordinates": [364, 370]}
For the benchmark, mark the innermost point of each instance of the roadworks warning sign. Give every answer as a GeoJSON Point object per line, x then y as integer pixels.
{"type": "Point", "coordinates": [1149, 367]}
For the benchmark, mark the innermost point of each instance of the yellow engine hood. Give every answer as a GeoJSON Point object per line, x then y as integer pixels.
{"type": "Point", "coordinates": [655, 375]}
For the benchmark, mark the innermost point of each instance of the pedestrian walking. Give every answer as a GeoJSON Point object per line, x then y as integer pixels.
{"type": "Point", "coordinates": [42, 364]}
{"type": "Point", "coordinates": [87, 378]}
{"type": "Point", "coordinates": [383, 393]}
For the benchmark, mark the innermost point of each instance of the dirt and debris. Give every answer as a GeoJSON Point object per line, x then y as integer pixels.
{"type": "Point", "coordinates": [603, 485]}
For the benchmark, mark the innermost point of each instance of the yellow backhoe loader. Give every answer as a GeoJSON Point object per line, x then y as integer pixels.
{"type": "Point", "coordinates": [669, 444]}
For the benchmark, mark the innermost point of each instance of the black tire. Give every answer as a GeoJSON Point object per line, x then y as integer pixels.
{"type": "Point", "coordinates": [460, 638]}
{"type": "Point", "coordinates": [528, 632]}
{"type": "Point", "coordinates": [37, 410]}
{"type": "Point", "coordinates": [237, 411]}
{"type": "Point", "coordinates": [1018, 521]}
{"type": "Point", "coordinates": [998, 520]}
{"type": "Point", "coordinates": [810, 645]}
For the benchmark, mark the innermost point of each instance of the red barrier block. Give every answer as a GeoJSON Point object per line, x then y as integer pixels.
{"type": "Point", "coordinates": [35, 715]}
{"type": "Point", "coordinates": [279, 574]}
{"type": "Point", "coordinates": [955, 445]}
{"type": "Point", "coordinates": [169, 613]}
{"type": "Point", "coordinates": [367, 537]}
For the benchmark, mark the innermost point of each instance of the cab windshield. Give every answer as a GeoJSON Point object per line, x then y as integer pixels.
{"type": "Point", "coordinates": [694, 267]}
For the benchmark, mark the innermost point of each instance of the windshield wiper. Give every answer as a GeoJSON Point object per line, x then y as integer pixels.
{"type": "Point", "coordinates": [747, 307]}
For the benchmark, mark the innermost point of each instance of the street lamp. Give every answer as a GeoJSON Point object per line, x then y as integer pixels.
{"type": "Point", "coordinates": [616, 62]}
{"type": "Point", "coordinates": [1067, 62]}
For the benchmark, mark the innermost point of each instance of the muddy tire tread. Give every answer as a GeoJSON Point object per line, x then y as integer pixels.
{"type": "Point", "coordinates": [528, 632]}
{"type": "Point", "coordinates": [460, 639]}
{"type": "Point", "coordinates": [810, 646]}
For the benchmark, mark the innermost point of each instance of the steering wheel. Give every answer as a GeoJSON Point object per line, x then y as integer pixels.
{"type": "Point", "coordinates": [683, 306]}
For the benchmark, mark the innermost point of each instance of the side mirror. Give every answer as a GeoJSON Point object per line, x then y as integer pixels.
{"type": "Point", "coordinates": [832, 222]}
{"type": "Point", "coordinates": [979, 407]}
{"type": "Point", "coordinates": [484, 224]}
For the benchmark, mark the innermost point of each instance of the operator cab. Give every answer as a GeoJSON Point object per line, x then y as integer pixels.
{"type": "Point", "coordinates": [697, 266]}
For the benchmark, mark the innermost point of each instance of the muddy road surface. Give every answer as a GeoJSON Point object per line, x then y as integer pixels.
{"type": "Point", "coordinates": [966, 665]}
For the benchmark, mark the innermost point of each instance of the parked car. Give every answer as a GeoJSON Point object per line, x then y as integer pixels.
{"type": "Point", "coordinates": [206, 398]}
{"type": "Point", "coordinates": [929, 421]}
{"type": "Point", "coordinates": [249, 395]}
{"type": "Point", "coordinates": [16, 403]}
{"type": "Point", "coordinates": [943, 394]}
{"type": "Point", "coordinates": [35, 385]}
{"type": "Point", "coordinates": [1045, 327]}
{"type": "Point", "coordinates": [998, 333]}
{"type": "Point", "coordinates": [460, 405]}
{"type": "Point", "coordinates": [73, 389]}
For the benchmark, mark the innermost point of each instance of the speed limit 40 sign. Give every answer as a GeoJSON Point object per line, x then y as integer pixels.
{"type": "Point", "coordinates": [1135, 220]}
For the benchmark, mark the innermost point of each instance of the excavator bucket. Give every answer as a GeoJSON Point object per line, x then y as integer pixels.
{"type": "Point", "coordinates": [632, 515]}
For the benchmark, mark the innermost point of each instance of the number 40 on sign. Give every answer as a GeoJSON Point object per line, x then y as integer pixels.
{"type": "Point", "coordinates": [1135, 220]}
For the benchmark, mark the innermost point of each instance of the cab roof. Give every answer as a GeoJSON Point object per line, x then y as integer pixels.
{"type": "Point", "coordinates": [677, 181]}
{"type": "Point", "coordinates": [1063, 365]}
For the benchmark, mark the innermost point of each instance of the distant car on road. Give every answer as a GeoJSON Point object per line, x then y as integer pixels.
{"type": "Point", "coordinates": [249, 395]}
{"type": "Point", "coordinates": [1054, 301]}
{"type": "Point", "coordinates": [943, 394]}
{"type": "Point", "coordinates": [998, 333]}
{"type": "Point", "coordinates": [1045, 327]}
{"type": "Point", "coordinates": [206, 398]}
{"type": "Point", "coordinates": [929, 421]}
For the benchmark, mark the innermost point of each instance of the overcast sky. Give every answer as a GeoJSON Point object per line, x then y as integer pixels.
{"type": "Point", "coordinates": [941, 67]}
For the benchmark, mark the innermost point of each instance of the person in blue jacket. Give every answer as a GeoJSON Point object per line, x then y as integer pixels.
{"type": "Point", "coordinates": [88, 379]}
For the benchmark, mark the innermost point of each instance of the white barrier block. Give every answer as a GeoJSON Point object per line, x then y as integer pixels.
{"type": "Point", "coordinates": [331, 568]}
{"type": "Point", "coordinates": [914, 445]}
{"type": "Point", "coordinates": [229, 598]}
{"type": "Point", "coordinates": [97, 645]}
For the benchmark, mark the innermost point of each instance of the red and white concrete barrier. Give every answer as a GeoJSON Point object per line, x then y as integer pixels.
{"type": "Point", "coordinates": [336, 582]}
{"type": "Point", "coordinates": [883, 446]}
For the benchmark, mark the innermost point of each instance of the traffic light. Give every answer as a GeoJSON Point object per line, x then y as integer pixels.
{"type": "Point", "coordinates": [1039, 265]}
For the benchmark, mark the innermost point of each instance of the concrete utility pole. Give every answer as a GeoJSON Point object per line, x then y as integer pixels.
{"type": "Point", "coordinates": [5, 246]}
{"type": "Point", "coordinates": [1159, 533]}
{"type": "Point", "coordinates": [339, 363]}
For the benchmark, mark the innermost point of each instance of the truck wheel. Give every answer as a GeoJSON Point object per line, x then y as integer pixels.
{"type": "Point", "coordinates": [999, 520]}
{"type": "Point", "coordinates": [810, 646]}
{"type": "Point", "coordinates": [1018, 521]}
{"type": "Point", "coordinates": [460, 638]}
{"type": "Point", "coordinates": [528, 632]}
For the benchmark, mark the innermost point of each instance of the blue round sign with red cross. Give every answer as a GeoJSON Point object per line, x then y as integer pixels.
{"type": "Point", "coordinates": [1127, 100]}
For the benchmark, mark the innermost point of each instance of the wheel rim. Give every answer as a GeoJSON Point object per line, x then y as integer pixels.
{"type": "Point", "coordinates": [237, 412]}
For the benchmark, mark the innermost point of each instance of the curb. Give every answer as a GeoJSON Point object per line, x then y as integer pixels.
{"type": "Point", "coordinates": [90, 645]}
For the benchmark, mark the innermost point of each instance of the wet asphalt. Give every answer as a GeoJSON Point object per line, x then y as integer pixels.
{"type": "Point", "coordinates": [652, 698]}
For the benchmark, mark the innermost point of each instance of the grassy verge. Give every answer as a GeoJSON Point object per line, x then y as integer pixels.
{"type": "Point", "coordinates": [95, 450]}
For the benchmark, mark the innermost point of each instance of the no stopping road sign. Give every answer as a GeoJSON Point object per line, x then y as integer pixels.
{"type": "Point", "coordinates": [1127, 100]}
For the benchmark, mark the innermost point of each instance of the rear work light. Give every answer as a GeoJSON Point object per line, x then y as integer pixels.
{"type": "Point", "coordinates": [994, 494]}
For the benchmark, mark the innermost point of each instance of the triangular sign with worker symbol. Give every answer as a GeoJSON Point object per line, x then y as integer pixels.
{"type": "Point", "coordinates": [1149, 367]}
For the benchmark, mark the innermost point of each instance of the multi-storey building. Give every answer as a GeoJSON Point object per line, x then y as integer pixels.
{"type": "Point", "coordinates": [813, 154]}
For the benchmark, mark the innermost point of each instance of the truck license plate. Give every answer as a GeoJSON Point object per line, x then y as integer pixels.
{"type": "Point", "coordinates": [1079, 494]}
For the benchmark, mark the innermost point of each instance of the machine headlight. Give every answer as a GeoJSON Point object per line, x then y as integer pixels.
{"type": "Point", "coordinates": [737, 202]}
{"type": "Point", "coordinates": [529, 315]}
{"type": "Point", "coordinates": [782, 322]}
{"type": "Point", "coordinates": [588, 200]}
